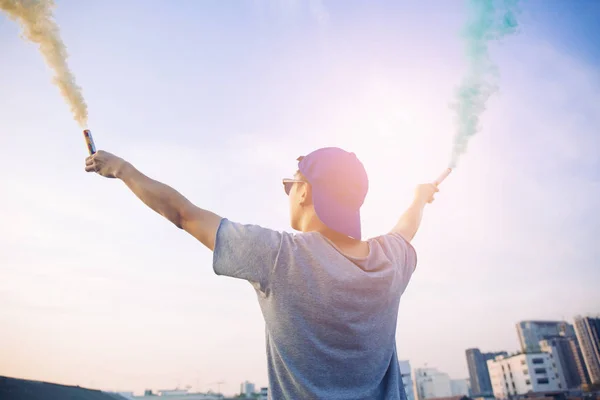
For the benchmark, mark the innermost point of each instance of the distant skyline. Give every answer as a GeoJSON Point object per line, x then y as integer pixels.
{"type": "Point", "coordinates": [218, 99]}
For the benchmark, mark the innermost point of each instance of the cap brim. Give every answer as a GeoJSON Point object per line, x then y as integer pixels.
{"type": "Point", "coordinates": [336, 216]}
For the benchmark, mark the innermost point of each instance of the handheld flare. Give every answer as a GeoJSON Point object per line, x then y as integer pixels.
{"type": "Point", "coordinates": [442, 176]}
{"type": "Point", "coordinates": [89, 141]}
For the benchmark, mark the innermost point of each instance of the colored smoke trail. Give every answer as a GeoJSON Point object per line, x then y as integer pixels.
{"type": "Point", "coordinates": [488, 20]}
{"type": "Point", "coordinates": [35, 16]}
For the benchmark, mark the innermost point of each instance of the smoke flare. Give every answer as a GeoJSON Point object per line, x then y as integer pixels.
{"type": "Point", "coordinates": [488, 20]}
{"type": "Point", "coordinates": [35, 16]}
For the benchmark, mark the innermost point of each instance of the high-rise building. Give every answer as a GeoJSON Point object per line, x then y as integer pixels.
{"type": "Point", "coordinates": [584, 377]}
{"type": "Point", "coordinates": [407, 379]}
{"type": "Point", "coordinates": [531, 332]}
{"type": "Point", "coordinates": [565, 353]}
{"type": "Point", "coordinates": [523, 373]}
{"type": "Point", "coordinates": [431, 383]}
{"type": "Point", "coordinates": [479, 375]}
{"type": "Point", "coordinates": [247, 389]}
{"type": "Point", "coordinates": [460, 387]}
{"type": "Point", "coordinates": [559, 350]}
{"type": "Point", "coordinates": [587, 330]}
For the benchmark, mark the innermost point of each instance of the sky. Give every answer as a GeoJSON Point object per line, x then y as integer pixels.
{"type": "Point", "coordinates": [218, 99]}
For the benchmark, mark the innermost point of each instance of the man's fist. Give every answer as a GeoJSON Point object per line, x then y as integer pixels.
{"type": "Point", "coordinates": [424, 193]}
{"type": "Point", "coordinates": [104, 163]}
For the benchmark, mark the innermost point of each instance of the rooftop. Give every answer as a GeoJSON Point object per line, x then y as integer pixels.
{"type": "Point", "coordinates": [21, 389]}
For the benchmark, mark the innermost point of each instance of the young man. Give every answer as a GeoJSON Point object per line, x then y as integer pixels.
{"type": "Point", "coordinates": [329, 299]}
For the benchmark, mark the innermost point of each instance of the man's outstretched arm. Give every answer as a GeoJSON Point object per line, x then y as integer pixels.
{"type": "Point", "coordinates": [409, 222]}
{"type": "Point", "coordinates": [163, 199]}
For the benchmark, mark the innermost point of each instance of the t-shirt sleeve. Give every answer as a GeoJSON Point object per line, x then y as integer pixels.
{"type": "Point", "coordinates": [403, 253]}
{"type": "Point", "coordinates": [246, 252]}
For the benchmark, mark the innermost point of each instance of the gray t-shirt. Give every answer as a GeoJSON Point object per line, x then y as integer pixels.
{"type": "Point", "coordinates": [330, 319]}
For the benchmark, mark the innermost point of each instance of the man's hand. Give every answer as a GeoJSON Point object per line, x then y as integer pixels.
{"type": "Point", "coordinates": [425, 192]}
{"type": "Point", "coordinates": [105, 164]}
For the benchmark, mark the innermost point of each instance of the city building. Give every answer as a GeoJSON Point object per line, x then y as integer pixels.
{"type": "Point", "coordinates": [430, 383]}
{"type": "Point", "coordinates": [460, 387]}
{"type": "Point", "coordinates": [531, 332]}
{"type": "Point", "coordinates": [580, 367]}
{"type": "Point", "coordinates": [406, 372]}
{"type": "Point", "coordinates": [523, 373]}
{"type": "Point", "coordinates": [479, 376]}
{"type": "Point", "coordinates": [558, 396]}
{"type": "Point", "coordinates": [565, 352]}
{"type": "Point", "coordinates": [177, 394]}
{"type": "Point", "coordinates": [247, 389]}
{"type": "Point", "coordinates": [173, 392]}
{"type": "Point", "coordinates": [587, 330]}
{"type": "Point", "coordinates": [263, 394]}
{"type": "Point", "coordinates": [450, 398]}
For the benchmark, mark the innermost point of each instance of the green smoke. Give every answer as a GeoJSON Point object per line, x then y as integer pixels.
{"type": "Point", "coordinates": [488, 20]}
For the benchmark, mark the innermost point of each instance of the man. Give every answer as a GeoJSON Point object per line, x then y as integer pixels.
{"type": "Point", "coordinates": [329, 299]}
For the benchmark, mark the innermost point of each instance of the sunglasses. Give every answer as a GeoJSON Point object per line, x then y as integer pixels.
{"type": "Point", "coordinates": [288, 183]}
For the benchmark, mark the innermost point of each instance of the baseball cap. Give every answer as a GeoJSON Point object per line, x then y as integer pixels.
{"type": "Point", "coordinates": [339, 185]}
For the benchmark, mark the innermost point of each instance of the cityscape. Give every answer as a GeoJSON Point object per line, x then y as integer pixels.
{"type": "Point", "coordinates": [556, 359]}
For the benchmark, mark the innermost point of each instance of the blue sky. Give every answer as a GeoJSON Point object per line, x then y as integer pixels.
{"type": "Point", "coordinates": [218, 99]}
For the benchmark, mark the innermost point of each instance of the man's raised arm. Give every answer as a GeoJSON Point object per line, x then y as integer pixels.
{"type": "Point", "coordinates": [163, 199]}
{"type": "Point", "coordinates": [409, 222]}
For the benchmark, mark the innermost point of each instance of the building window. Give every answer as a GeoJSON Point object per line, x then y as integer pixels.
{"type": "Point", "coordinates": [540, 370]}
{"type": "Point", "coordinates": [525, 372]}
{"type": "Point", "coordinates": [522, 362]}
{"type": "Point", "coordinates": [543, 381]}
{"type": "Point", "coordinates": [528, 382]}
{"type": "Point", "coordinates": [537, 360]}
{"type": "Point", "coordinates": [554, 365]}
{"type": "Point", "coordinates": [559, 386]}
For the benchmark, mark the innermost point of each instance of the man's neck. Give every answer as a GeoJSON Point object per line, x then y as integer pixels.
{"type": "Point", "coordinates": [314, 224]}
{"type": "Point", "coordinates": [345, 244]}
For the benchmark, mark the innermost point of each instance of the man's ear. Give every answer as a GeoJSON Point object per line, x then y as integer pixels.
{"type": "Point", "coordinates": [306, 195]}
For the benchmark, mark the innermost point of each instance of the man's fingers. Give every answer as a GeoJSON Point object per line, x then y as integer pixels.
{"type": "Point", "coordinates": [91, 168]}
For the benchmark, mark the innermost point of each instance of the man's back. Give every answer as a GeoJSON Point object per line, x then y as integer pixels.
{"type": "Point", "coordinates": [330, 318]}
